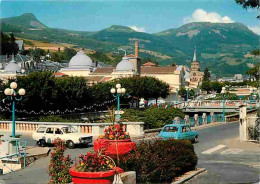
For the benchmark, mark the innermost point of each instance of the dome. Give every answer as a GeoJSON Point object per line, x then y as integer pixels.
{"type": "Point", "coordinates": [125, 65]}
{"type": "Point", "coordinates": [12, 67]}
{"type": "Point", "coordinates": [81, 60]}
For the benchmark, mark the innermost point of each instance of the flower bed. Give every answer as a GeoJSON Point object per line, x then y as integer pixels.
{"type": "Point", "coordinates": [114, 141]}
{"type": "Point", "coordinates": [93, 168]}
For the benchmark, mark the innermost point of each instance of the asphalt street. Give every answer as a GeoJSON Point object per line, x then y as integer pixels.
{"type": "Point", "coordinates": [223, 165]}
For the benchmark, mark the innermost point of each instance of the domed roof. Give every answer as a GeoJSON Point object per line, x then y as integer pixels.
{"type": "Point", "coordinates": [12, 67]}
{"type": "Point", "coordinates": [125, 65]}
{"type": "Point", "coordinates": [81, 60]}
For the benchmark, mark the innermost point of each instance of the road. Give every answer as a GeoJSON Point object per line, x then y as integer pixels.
{"type": "Point", "coordinates": [224, 165]}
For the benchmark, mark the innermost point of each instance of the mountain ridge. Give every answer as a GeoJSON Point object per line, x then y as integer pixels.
{"type": "Point", "coordinates": [218, 44]}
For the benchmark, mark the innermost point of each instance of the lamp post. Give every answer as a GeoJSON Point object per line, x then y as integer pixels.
{"type": "Point", "coordinates": [176, 95]}
{"type": "Point", "coordinates": [252, 96]}
{"type": "Point", "coordinates": [119, 92]}
{"type": "Point", "coordinates": [12, 95]}
{"type": "Point", "coordinates": [187, 89]}
{"type": "Point", "coordinates": [223, 91]}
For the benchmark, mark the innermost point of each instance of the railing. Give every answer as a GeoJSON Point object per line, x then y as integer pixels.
{"type": "Point", "coordinates": [135, 129]}
{"type": "Point", "coordinates": [9, 162]}
{"type": "Point", "coordinates": [235, 117]}
{"type": "Point", "coordinates": [212, 104]}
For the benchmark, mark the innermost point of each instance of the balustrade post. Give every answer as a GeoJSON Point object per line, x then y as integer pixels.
{"type": "Point", "coordinates": [204, 118]}
{"type": "Point", "coordinates": [212, 118]}
{"type": "Point", "coordinates": [177, 120]}
{"type": "Point", "coordinates": [187, 119]}
{"type": "Point", "coordinates": [196, 119]}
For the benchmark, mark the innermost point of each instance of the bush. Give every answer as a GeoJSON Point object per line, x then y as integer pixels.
{"type": "Point", "coordinates": [153, 118]}
{"type": "Point", "coordinates": [59, 164]}
{"type": "Point", "coordinates": [254, 131]}
{"type": "Point", "coordinates": [160, 160]}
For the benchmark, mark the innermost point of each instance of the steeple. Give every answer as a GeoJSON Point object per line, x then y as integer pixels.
{"type": "Point", "coordinates": [194, 57]}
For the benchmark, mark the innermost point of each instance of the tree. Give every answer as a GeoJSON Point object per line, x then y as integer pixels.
{"type": "Point", "coordinates": [145, 87]}
{"type": "Point", "coordinates": [57, 56]}
{"type": "Point", "coordinates": [256, 52]}
{"type": "Point", "coordinates": [136, 87]}
{"type": "Point", "coordinates": [228, 96]}
{"type": "Point", "coordinates": [37, 53]}
{"type": "Point", "coordinates": [14, 45]}
{"type": "Point", "coordinates": [254, 72]}
{"type": "Point", "coordinates": [69, 53]}
{"type": "Point", "coordinates": [47, 93]}
{"type": "Point", "coordinates": [206, 86]}
{"type": "Point", "coordinates": [183, 93]}
{"type": "Point", "coordinates": [206, 76]}
{"type": "Point", "coordinates": [216, 86]}
{"type": "Point", "coordinates": [8, 45]}
{"type": "Point", "coordinates": [249, 3]}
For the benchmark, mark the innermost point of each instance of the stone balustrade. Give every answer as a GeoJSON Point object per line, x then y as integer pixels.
{"type": "Point", "coordinates": [212, 103]}
{"type": "Point", "coordinates": [135, 129]}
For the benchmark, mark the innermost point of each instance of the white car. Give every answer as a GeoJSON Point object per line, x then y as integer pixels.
{"type": "Point", "coordinates": [48, 133]}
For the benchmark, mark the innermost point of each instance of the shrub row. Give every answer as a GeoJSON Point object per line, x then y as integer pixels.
{"type": "Point", "coordinates": [152, 117]}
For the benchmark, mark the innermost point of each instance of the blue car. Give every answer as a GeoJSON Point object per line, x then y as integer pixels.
{"type": "Point", "coordinates": [178, 131]}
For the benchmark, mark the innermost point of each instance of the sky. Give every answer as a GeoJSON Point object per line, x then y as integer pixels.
{"type": "Point", "coordinates": [149, 16]}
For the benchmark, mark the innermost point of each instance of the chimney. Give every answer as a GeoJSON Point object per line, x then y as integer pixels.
{"type": "Point", "coordinates": [136, 49]}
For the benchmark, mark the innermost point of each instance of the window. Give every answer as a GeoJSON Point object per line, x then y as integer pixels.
{"type": "Point", "coordinates": [68, 130]}
{"type": "Point", "coordinates": [171, 129]}
{"type": "Point", "coordinates": [184, 129]}
{"type": "Point", "coordinates": [49, 131]}
{"type": "Point", "coordinates": [187, 129]}
{"type": "Point", "coordinates": [58, 131]}
{"type": "Point", "coordinates": [41, 129]}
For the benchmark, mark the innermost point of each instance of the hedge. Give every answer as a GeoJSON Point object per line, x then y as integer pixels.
{"type": "Point", "coordinates": [152, 117]}
{"type": "Point", "coordinates": [160, 161]}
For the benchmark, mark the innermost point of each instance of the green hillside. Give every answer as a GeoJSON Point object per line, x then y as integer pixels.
{"type": "Point", "coordinates": [218, 44]}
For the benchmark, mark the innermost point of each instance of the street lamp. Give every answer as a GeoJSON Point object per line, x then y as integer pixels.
{"type": "Point", "coordinates": [119, 92]}
{"type": "Point", "coordinates": [187, 89]}
{"type": "Point", "coordinates": [223, 91]}
{"type": "Point", "coordinates": [12, 95]}
{"type": "Point", "coordinates": [252, 96]}
{"type": "Point", "coordinates": [176, 95]}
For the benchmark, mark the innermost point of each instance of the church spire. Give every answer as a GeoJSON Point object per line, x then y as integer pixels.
{"type": "Point", "coordinates": [194, 57]}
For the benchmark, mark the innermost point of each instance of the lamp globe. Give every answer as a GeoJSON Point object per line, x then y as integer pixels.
{"type": "Point", "coordinates": [21, 91]}
{"type": "Point", "coordinates": [118, 86]}
{"type": "Point", "coordinates": [13, 85]}
{"type": "Point", "coordinates": [113, 90]}
{"type": "Point", "coordinates": [7, 91]}
{"type": "Point", "coordinates": [123, 90]}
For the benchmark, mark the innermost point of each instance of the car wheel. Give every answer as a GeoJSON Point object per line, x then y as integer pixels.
{"type": "Point", "coordinates": [70, 144]}
{"type": "Point", "coordinates": [42, 143]}
{"type": "Point", "coordinates": [195, 139]}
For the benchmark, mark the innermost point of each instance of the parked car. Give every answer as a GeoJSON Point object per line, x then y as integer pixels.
{"type": "Point", "coordinates": [48, 133]}
{"type": "Point", "coordinates": [178, 131]}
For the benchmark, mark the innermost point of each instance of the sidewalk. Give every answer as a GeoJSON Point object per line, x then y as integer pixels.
{"type": "Point", "coordinates": [253, 147]}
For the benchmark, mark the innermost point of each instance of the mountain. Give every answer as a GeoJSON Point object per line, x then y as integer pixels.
{"type": "Point", "coordinates": [26, 20]}
{"type": "Point", "coordinates": [217, 44]}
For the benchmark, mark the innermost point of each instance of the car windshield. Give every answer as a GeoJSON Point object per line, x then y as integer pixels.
{"type": "Point", "coordinates": [68, 130]}
{"type": "Point", "coordinates": [170, 129]}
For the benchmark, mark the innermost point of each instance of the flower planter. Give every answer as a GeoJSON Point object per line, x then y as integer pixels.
{"type": "Point", "coordinates": [105, 177]}
{"type": "Point", "coordinates": [114, 147]}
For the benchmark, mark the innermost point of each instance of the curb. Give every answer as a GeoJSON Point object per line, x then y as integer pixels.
{"type": "Point", "coordinates": [186, 178]}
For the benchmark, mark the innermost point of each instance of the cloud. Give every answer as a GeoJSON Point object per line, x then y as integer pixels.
{"type": "Point", "coordinates": [138, 29]}
{"type": "Point", "coordinates": [255, 29]}
{"type": "Point", "coordinates": [200, 15]}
